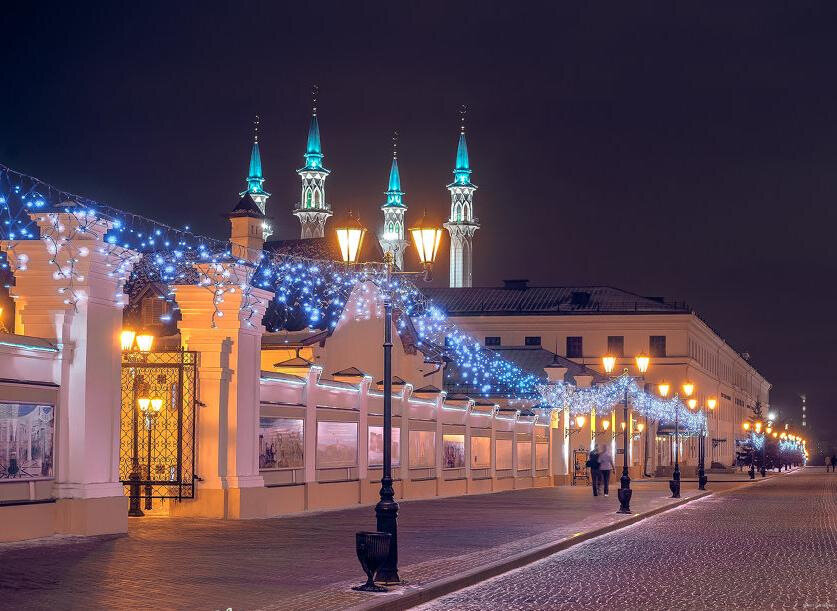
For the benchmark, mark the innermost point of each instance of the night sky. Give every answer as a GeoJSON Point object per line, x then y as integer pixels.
{"type": "Point", "coordinates": [689, 152]}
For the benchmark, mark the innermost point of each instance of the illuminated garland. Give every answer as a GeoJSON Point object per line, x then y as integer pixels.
{"type": "Point", "coordinates": [166, 255]}
{"type": "Point", "coordinates": [604, 397]}
{"type": "Point", "coordinates": [307, 293]}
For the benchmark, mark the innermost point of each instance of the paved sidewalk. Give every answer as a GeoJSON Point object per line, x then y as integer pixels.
{"type": "Point", "coordinates": [300, 562]}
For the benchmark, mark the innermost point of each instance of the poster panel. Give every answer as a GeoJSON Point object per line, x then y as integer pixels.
{"type": "Point", "coordinates": [336, 444]}
{"type": "Point", "coordinates": [480, 452]}
{"type": "Point", "coordinates": [524, 455]}
{"type": "Point", "coordinates": [453, 448]}
{"type": "Point", "coordinates": [376, 446]}
{"type": "Point", "coordinates": [27, 435]}
{"type": "Point", "coordinates": [422, 449]}
{"type": "Point", "coordinates": [503, 447]}
{"type": "Point", "coordinates": [281, 444]}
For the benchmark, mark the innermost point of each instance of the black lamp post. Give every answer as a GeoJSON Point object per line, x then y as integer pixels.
{"type": "Point", "coordinates": [131, 343]}
{"type": "Point", "coordinates": [426, 239]}
{"type": "Point", "coordinates": [625, 492]}
{"type": "Point", "coordinates": [711, 402]}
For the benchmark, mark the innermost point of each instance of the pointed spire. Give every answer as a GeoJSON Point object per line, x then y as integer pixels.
{"type": "Point", "coordinates": [255, 178]}
{"type": "Point", "coordinates": [394, 192]}
{"type": "Point", "coordinates": [462, 170]}
{"type": "Point", "coordinates": [314, 149]}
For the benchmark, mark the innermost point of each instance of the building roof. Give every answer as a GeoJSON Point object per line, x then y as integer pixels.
{"type": "Point", "coordinates": [247, 206]}
{"type": "Point", "coordinates": [517, 298]}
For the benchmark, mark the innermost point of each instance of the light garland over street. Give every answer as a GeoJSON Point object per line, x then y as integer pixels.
{"type": "Point", "coordinates": [308, 292]}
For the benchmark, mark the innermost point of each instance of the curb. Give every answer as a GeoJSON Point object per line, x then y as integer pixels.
{"type": "Point", "coordinates": [446, 585]}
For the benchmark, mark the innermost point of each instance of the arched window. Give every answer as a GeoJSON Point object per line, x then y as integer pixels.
{"type": "Point", "coordinates": [308, 198]}
{"type": "Point", "coordinates": [457, 212]}
{"type": "Point", "coordinates": [316, 198]}
{"type": "Point", "coordinates": [466, 211]}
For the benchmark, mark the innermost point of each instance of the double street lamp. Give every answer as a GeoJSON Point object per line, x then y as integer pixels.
{"type": "Point", "coordinates": [426, 238]}
{"type": "Point", "coordinates": [688, 389]}
{"type": "Point", "coordinates": [625, 492]}
{"type": "Point", "coordinates": [711, 403]}
{"type": "Point", "coordinates": [132, 343]}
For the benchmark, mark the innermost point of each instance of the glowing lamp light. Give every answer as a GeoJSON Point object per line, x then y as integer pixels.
{"type": "Point", "coordinates": [711, 403]}
{"type": "Point", "coordinates": [746, 426]}
{"type": "Point", "coordinates": [642, 362]}
{"type": "Point", "coordinates": [126, 338]}
{"type": "Point", "coordinates": [769, 429]}
{"type": "Point", "coordinates": [692, 403]}
{"type": "Point", "coordinates": [350, 237]}
{"type": "Point", "coordinates": [688, 388]}
{"type": "Point", "coordinates": [758, 426]}
{"type": "Point", "coordinates": [609, 363]}
{"type": "Point", "coordinates": [426, 237]}
{"type": "Point", "coordinates": [663, 388]}
{"type": "Point", "coordinates": [143, 403]}
{"type": "Point", "coordinates": [640, 427]}
{"type": "Point", "coordinates": [775, 434]}
{"type": "Point", "coordinates": [623, 425]}
{"type": "Point", "coordinates": [145, 342]}
{"type": "Point", "coordinates": [579, 421]}
{"type": "Point", "coordinates": [606, 424]}
{"type": "Point", "coordinates": [156, 404]}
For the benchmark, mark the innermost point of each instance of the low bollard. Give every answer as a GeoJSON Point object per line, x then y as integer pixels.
{"type": "Point", "coordinates": [372, 550]}
{"type": "Point", "coordinates": [674, 486]}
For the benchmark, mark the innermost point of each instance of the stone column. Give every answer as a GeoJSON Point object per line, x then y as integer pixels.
{"type": "Point", "coordinates": [68, 289]}
{"type": "Point", "coordinates": [227, 338]}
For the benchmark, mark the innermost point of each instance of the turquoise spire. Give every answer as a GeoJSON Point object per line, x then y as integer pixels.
{"type": "Point", "coordinates": [462, 170]}
{"type": "Point", "coordinates": [255, 178]}
{"type": "Point", "coordinates": [394, 192]}
{"type": "Point", "coordinates": [314, 148]}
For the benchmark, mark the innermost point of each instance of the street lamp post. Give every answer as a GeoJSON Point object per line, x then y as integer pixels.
{"type": "Point", "coordinates": [711, 402]}
{"type": "Point", "coordinates": [156, 405]}
{"type": "Point", "coordinates": [625, 492]}
{"type": "Point", "coordinates": [131, 343]}
{"type": "Point", "coordinates": [426, 239]}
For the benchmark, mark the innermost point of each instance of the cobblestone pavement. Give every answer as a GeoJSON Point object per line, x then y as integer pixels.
{"type": "Point", "coordinates": [767, 546]}
{"type": "Point", "coordinates": [296, 562]}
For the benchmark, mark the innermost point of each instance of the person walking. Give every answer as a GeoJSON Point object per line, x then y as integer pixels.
{"type": "Point", "coordinates": [833, 463]}
{"type": "Point", "coordinates": [605, 467]}
{"type": "Point", "coordinates": [595, 474]}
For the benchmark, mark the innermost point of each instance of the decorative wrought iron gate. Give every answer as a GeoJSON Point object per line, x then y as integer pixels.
{"type": "Point", "coordinates": [157, 441]}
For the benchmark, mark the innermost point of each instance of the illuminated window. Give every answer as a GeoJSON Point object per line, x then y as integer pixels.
{"type": "Point", "coordinates": [308, 199]}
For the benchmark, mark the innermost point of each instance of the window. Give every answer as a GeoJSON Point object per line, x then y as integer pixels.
{"type": "Point", "coordinates": [532, 340]}
{"type": "Point", "coordinates": [317, 198]}
{"type": "Point", "coordinates": [657, 345]}
{"type": "Point", "coordinates": [574, 348]}
{"type": "Point", "coordinates": [308, 199]}
{"type": "Point", "coordinates": [492, 341]}
{"type": "Point", "coordinates": [616, 345]}
{"type": "Point", "coordinates": [153, 309]}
